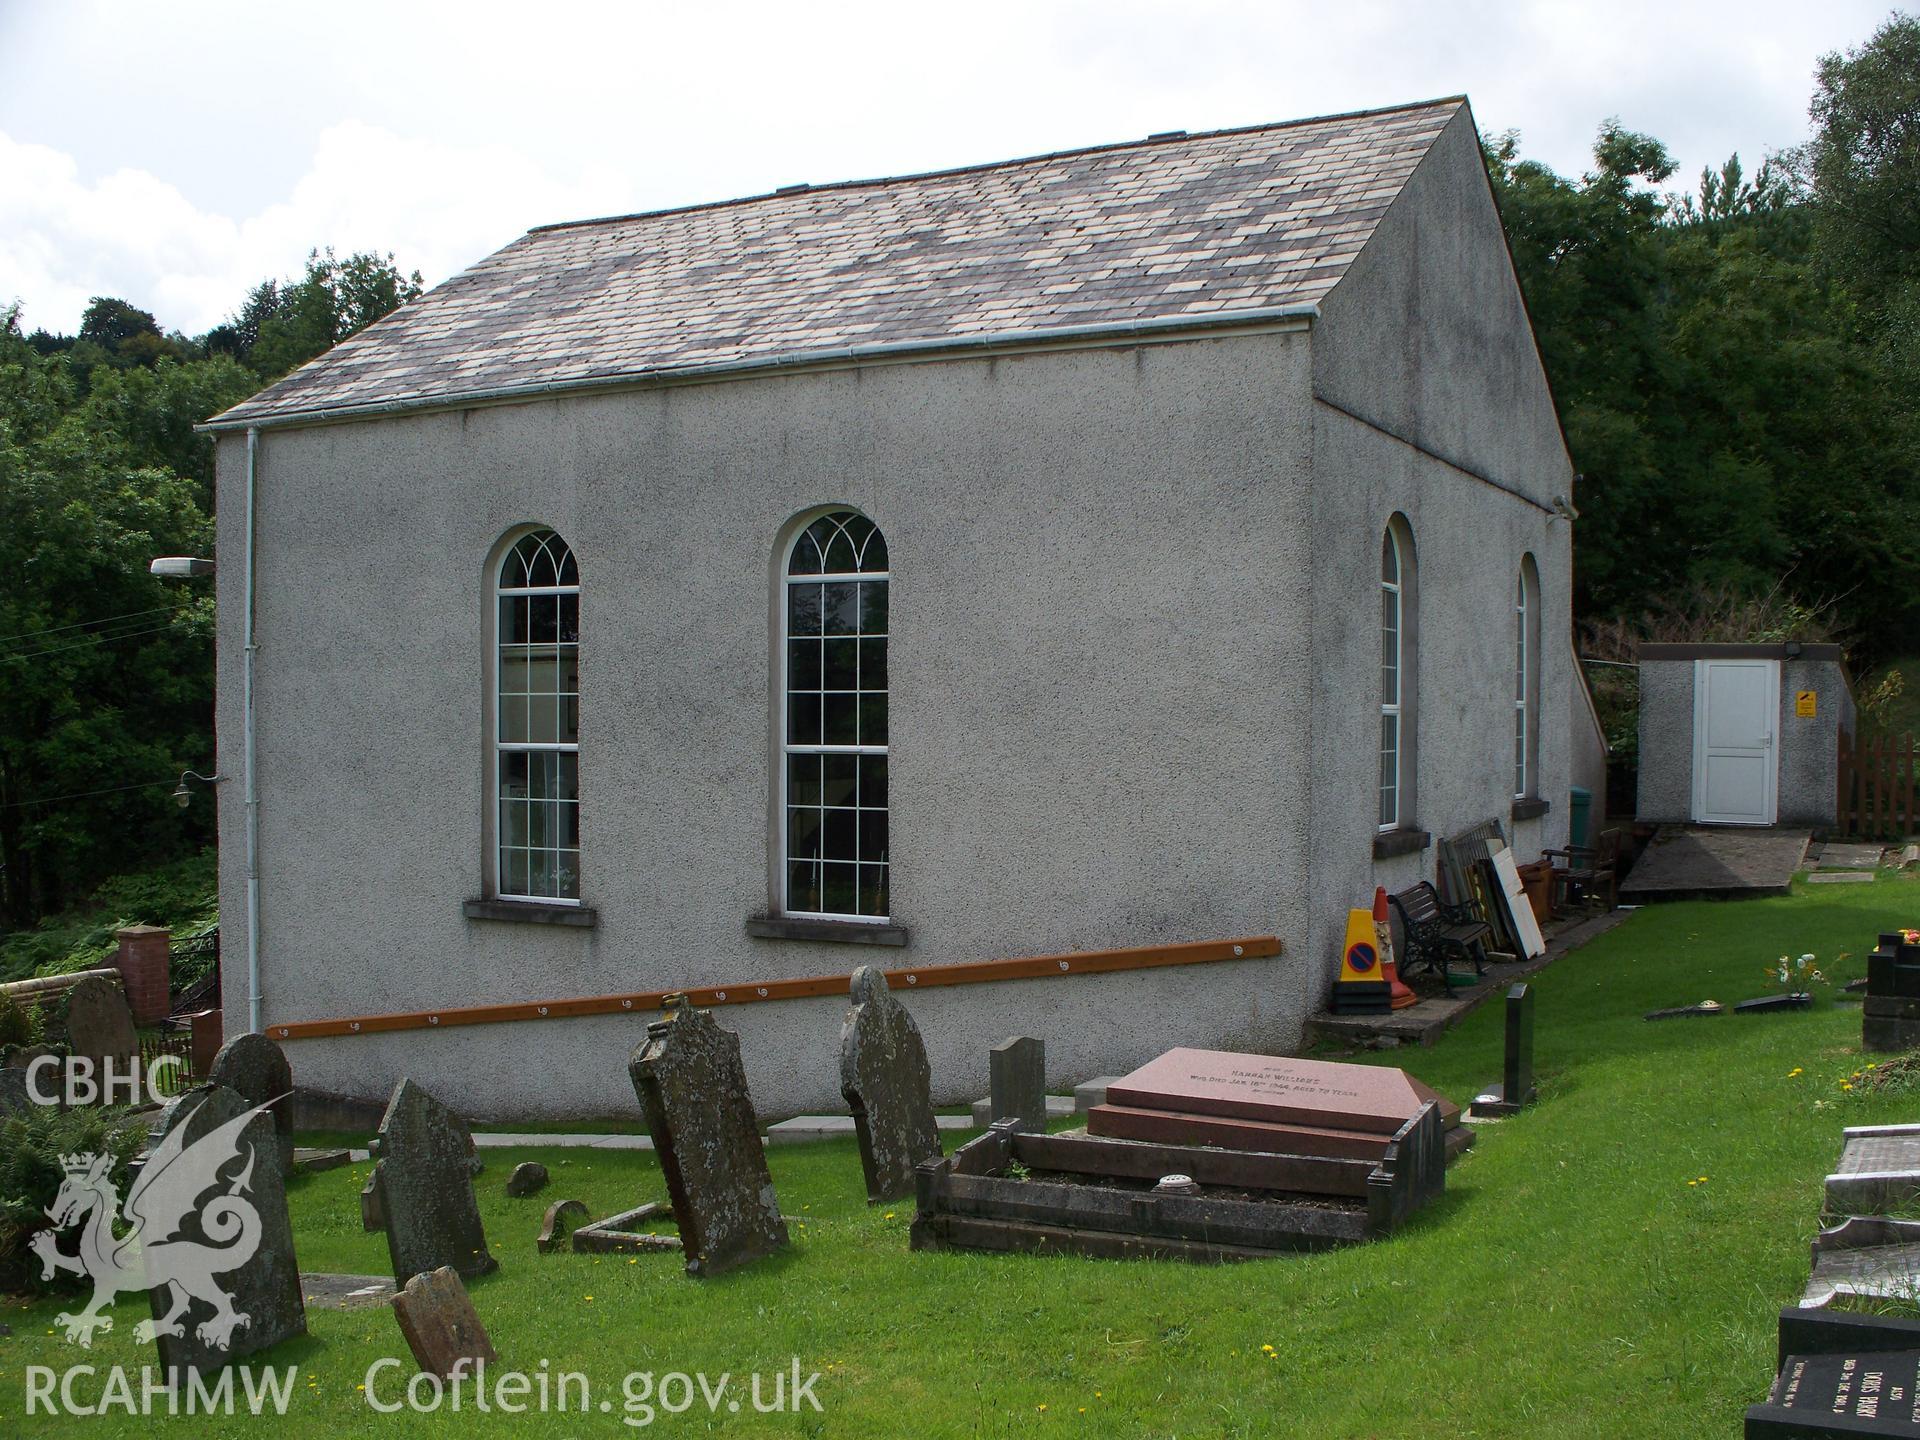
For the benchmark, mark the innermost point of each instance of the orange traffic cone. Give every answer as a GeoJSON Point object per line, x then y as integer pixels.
{"type": "Point", "coordinates": [1402, 996]}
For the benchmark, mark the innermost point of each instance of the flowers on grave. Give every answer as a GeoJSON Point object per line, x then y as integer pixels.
{"type": "Point", "coordinates": [1793, 975]}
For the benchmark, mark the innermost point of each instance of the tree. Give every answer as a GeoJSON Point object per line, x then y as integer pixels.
{"type": "Point", "coordinates": [107, 672]}
{"type": "Point", "coordinates": [293, 323]}
{"type": "Point", "coordinates": [1728, 428]}
{"type": "Point", "coordinates": [1863, 163]}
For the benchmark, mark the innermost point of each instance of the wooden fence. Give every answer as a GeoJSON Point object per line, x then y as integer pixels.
{"type": "Point", "coordinates": [1877, 787]}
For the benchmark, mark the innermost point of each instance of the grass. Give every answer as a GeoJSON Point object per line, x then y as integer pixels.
{"type": "Point", "coordinates": [1608, 1263]}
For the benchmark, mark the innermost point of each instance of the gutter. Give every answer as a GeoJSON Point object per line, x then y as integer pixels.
{"type": "Point", "coordinates": [1151, 331]}
{"type": "Point", "coordinates": [247, 759]}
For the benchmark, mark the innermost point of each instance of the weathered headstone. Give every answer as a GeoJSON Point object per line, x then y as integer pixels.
{"type": "Point", "coordinates": [886, 1083]}
{"type": "Point", "coordinates": [441, 1327]}
{"type": "Point", "coordinates": [100, 1027]}
{"type": "Point", "coordinates": [562, 1219]}
{"type": "Point", "coordinates": [1515, 1091]}
{"type": "Point", "coordinates": [529, 1177]}
{"type": "Point", "coordinates": [425, 1188]}
{"type": "Point", "coordinates": [256, 1070]}
{"type": "Point", "coordinates": [693, 1088]}
{"type": "Point", "coordinates": [215, 1234]}
{"type": "Point", "coordinates": [1017, 1082]}
{"type": "Point", "coordinates": [14, 1099]}
{"type": "Point", "coordinates": [372, 1218]}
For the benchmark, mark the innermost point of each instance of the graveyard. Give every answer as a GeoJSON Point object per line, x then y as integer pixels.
{"type": "Point", "coordinates": [1608, 1260]}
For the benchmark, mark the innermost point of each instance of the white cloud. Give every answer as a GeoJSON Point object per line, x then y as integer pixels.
{"type": "Point", "coordinates": [437, 207]}
{"type": "Point", "coordinates": [441, 129]}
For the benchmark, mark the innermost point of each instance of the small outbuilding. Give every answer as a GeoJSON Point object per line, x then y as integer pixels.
{"type": "Point", "coordinates": [1742, 734]}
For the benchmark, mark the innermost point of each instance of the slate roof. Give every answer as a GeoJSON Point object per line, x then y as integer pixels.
{"type": "Point", "coordinates": [1181, 228]}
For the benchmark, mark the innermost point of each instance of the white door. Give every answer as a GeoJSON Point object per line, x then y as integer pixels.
{"type": "Point", "coordinates": [1736, 708]}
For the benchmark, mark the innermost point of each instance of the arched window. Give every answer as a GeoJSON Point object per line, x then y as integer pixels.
{"type": "Point", "coordinates": [833, 688]}
{"type": "Point", "coordinates": [1398, 674]}
{"type": "Point", "coordinates": [1526, 680]}
{"type": "Point", "coordinates": [537, 721]}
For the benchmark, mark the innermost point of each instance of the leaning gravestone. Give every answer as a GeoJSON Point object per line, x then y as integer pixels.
{"type": "Point", "coordinates": [886, 1083]}
{"type": "Point", "coordinates": [423, 1186]}
{"type": "Point", "coordinates": [1017, 1082]}
{"type": "Point", "coordinates": [100, 1027]}
{"type": "Point", "coordinates": [215, 1234]}
{"type": "Point", "coordinates": [441, 1327]}
{"type": "Point", "coordinates": [256, 1070]}
{"type": "Point", "coordinates": [690, 1081]}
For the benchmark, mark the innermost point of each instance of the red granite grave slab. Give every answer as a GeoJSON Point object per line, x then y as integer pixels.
{"type": "Point", "coordinates": [1171, 1127]}
{"type": "Point", "coordinates": [1283, 1090]}
{"type": "Point", "coordinates": [1167, 1127]}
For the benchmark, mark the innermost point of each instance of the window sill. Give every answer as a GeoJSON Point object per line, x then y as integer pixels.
{"type": "Point", "coordinates": [531, 912]}
{"type": "Point", "coordinates": [846, 932]}
{"type": "Point", "coordinates": [1531, 807]}
{"type": "Point", "coordinates": [1405, 841]}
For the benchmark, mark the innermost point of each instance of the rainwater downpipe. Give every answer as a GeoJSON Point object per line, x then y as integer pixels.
{"type": "Point", "coordinates": [249, 784]}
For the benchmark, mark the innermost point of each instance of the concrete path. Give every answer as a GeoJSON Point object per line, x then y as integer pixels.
{"type": "Point", "coordinates": [503, 1140]}
{"type": "Point", "coordinates": [1424, 1023]}
{"type": "Point", "coordinates": [1696, 862]}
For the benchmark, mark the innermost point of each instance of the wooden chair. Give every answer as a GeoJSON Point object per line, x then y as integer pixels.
{"type": "Point", "coordinates": [1587, 872]}
{"type": "Point", "coordinates": [1435, 934]}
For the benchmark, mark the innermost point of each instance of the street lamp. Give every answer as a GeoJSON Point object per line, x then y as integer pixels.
{"type": "Point", "coordinates": [182, 795]}
{"type": "Point", "coordinates": [180, 567]}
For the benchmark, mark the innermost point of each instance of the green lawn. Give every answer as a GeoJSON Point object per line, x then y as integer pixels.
{"type": "Point", "coordinates": [1608, 1264]}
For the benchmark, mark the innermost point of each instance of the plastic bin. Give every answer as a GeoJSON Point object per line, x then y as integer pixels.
{"type": "Point", "coordinates": [1577, 813]}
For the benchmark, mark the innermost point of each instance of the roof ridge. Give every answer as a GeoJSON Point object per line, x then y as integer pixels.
{"type": "Point", "coordinates": [1181, 137]}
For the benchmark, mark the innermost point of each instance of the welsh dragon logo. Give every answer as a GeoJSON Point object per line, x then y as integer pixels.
{"type": "Point", "coordinates": [153, 1253]}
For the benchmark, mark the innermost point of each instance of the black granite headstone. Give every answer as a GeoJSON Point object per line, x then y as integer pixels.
{"type": "Point", "coordinates": [1515, 1091]}
{"type": "Point", "coordinates": [1770, 1004]}
{"type": "Point", "coordinates": [1873, 1392]}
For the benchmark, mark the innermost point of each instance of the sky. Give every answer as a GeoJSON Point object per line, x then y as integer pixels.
{"type": "Point", "coordinates": [176, 154]}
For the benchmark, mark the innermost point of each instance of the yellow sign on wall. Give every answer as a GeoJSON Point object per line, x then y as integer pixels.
{"type": "Point", "coordinates": [1805, 703]}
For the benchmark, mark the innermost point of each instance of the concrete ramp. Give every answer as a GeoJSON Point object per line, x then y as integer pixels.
{"type": "Point", "coordinates": [1700, 862]}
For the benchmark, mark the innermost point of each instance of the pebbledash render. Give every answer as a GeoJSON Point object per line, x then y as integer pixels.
{"type": "Point", "coordinates": [1131, 546]}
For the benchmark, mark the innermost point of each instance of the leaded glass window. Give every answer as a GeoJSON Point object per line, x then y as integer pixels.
{"type": "Point", "coordinates": [834, 854]}
{"type": "Point", "coordinates": [537, 721]}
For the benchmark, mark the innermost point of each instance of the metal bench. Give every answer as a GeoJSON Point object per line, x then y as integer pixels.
{"type": "Point", "coordinates": [1435, 934]}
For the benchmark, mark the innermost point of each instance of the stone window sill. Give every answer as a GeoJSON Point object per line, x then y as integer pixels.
{"type": "Point", "coordinates": [845, 932]}
{"type": "Point", "coordinates": [1405, 841]}
{"type": "Point", "coordinates": [531, 912]}
{"type": "Point", "coordinates": [1531, 807]}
